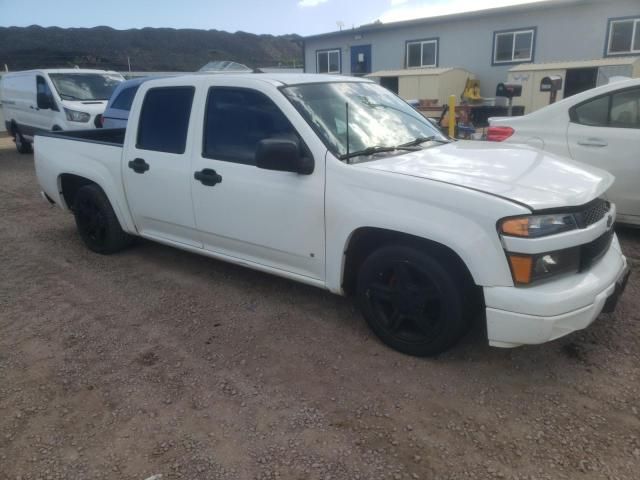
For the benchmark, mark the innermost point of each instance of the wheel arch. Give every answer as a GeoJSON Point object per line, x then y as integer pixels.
{"type": "Point", "coordinates": [70, 183]}
{"type": "Point", "coordinates": [365, 240]}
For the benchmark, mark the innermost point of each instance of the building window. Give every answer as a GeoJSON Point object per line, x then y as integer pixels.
{"type": "Point", "coordinates": [514, 46]}
{"type": "Point", "coordinates": [328, 61]}
{"type": "Point", "coordinates": [422, 53]}
{"type": "Point", "coordinates": [624, 36]}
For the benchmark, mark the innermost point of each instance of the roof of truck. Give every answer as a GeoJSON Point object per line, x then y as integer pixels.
{"type": "Point", "coordinates": [277, 79]}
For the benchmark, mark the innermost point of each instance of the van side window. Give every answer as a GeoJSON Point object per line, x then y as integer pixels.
{"type": "Point", "coordinates": [164, 119]}
{"type": "Point", "coordinates": [236, 119]}
{"type": "Point", "coordinates": [125, 99]}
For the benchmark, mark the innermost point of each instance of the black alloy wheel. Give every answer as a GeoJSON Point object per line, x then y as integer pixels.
{"type": "Point", "coordinates": [411, 300]}
{"type": "Point", "coordinates": [96, 221]}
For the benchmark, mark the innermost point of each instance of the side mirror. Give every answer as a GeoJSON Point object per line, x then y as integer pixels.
{"type": "Point", "coordinates": [282, 155]}
{"type": "Point", "coordinates": [45, 102]}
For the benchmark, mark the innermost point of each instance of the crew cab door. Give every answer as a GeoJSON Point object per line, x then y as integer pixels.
{"type": "Point", "coordinates": [266, 217]}
{"type": "Point", "coordinates": [605, 132]}
{"type": "Point", "coordinates": [156, 164]}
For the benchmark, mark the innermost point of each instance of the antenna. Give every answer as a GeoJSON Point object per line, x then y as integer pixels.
{"type": "Point", "coordinates": [346, 105]}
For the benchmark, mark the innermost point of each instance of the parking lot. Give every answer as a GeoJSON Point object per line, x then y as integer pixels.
{"type": "Point", "coordinates": [157, 361]}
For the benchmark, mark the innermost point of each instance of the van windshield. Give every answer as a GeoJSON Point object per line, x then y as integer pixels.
{"type": "Point", "coordinates": [85, 86]}
{"type": "Point", "coordinates": [378, 119]}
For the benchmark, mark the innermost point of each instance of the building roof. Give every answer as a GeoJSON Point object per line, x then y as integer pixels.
{"type": "Point", "coordinates": [600, 62]}
{"type": "Point", "coordinates": [412, 72]}
{"type": "Point", "coordinates": [379, 26]}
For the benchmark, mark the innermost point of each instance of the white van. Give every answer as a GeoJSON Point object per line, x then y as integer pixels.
{"type": "Point", "coordinates": [61, 99]}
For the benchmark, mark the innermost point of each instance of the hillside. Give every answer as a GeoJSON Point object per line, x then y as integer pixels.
{"type": "Point", "coordinates": [150, 49]}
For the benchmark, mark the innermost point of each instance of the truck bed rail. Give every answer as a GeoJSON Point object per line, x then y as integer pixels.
{"type": "Point", "coordinates": [106, 136]}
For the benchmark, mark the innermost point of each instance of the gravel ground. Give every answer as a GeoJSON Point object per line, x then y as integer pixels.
{"type": "Point", "coordinates": [156, 361]}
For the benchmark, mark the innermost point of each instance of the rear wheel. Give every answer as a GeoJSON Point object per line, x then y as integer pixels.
{"type": "Point", "coordinates": [414, 302]}
{"type": "Point", "coordinates": [97, 223]}
{"type": "Point", "coordinates": [22, 145]}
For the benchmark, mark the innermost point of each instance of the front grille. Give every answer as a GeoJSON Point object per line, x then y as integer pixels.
{"type": "Point", "coordinates": [593, 212]}
{"type": "Point", "coordinates": [592, 251]}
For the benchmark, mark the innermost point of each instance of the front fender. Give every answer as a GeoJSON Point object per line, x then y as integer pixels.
{"type": "Point", "coordinates": [461, 219]}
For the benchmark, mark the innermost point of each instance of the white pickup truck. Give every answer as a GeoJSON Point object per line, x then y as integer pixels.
{"type": "Point", "coordinates": [336, 182]}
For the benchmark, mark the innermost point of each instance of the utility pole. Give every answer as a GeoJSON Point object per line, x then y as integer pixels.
{"type": "Point", "coordinates": [129, 63]}
{"type": "Point", "coordinates": [6, 68]}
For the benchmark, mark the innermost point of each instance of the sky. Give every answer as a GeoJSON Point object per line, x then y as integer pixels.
{"type": "Point", "coordinates": [304, 17]}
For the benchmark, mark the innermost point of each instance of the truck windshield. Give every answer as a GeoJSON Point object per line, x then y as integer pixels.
{"type": "Point", "coordinates": [85, 86]}
{"type": "Point", "coordinates": [379, 121]}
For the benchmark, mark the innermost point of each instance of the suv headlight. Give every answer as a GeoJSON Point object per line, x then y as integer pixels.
{"type": "Point", "coordinates": [534, 226]}
{"type": "Point", "coordinates": [75, 116]}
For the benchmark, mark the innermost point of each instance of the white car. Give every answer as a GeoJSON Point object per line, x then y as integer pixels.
{"type": "Point", "coordinates": [600, 127]}
{"type": "Point", "coordinates": [337, 183]}
{"type": "Point", "coordinates": [53, 99]}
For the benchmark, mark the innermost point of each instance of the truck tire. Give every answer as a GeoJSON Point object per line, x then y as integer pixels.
{"type": "Point", "coordinates": [414, 302]}
{"type": "Point", "coordinates": [21, 144]}
{"type": "Point", "coordinates": [97, 223]}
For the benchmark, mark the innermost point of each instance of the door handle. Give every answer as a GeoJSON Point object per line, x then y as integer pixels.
{"type": "Point", "coordinates": [138, 165]}
{"type": "Point", "coordinates": [207, 177]}
{"type": "Point", "coordinates": [593, 142]}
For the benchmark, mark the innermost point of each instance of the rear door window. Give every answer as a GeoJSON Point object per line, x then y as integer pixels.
{"type": "Point", "coordinates": [593, 113]}
{"type": "Point", "coordinates": [625, 109]}
{"type": "Point", "coordinates": [616, 110]}
{"type": "Point", "coordinates": [164, 119]}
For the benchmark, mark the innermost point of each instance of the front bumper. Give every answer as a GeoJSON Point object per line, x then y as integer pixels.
{"type": "Point", "coordinates": [538, 314]}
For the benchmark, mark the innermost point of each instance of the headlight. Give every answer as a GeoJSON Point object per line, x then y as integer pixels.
{"type": "Point", "coordinates": [75, 116]}
{"type": "Point", "coordinates": [527, 269]}
{"type": "Point", "coordinates": [534, 226]}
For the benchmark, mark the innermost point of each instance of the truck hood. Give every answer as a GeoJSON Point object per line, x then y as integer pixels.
{"type": "Point", "coordinates": [522, 174]}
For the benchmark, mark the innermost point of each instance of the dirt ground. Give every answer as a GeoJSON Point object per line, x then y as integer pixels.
{"type": "Point", "coordinates": [156, 361]}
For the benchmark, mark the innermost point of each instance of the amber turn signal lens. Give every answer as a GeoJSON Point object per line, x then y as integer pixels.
{"type": "Point", "coordinates": [521, 267]}
{"type": "Point", "coordinates": [518, 227]}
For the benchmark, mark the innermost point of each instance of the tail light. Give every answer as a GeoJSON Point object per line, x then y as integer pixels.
{"type": "Point", "coordinates": [499, 134]}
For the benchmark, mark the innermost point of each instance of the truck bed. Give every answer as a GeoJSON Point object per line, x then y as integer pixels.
{"type": "Point", "coordinates": [107, 136]}
{"type": "Point", "coordinates": [94, 155]}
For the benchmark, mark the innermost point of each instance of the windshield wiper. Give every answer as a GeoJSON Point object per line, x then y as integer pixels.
{"type": "Point", "coordinates": [71, 97]}
{"type": "Point", "coordinates": [418, 140]}
{"type": "Point", "coordinates": [377, 149]}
